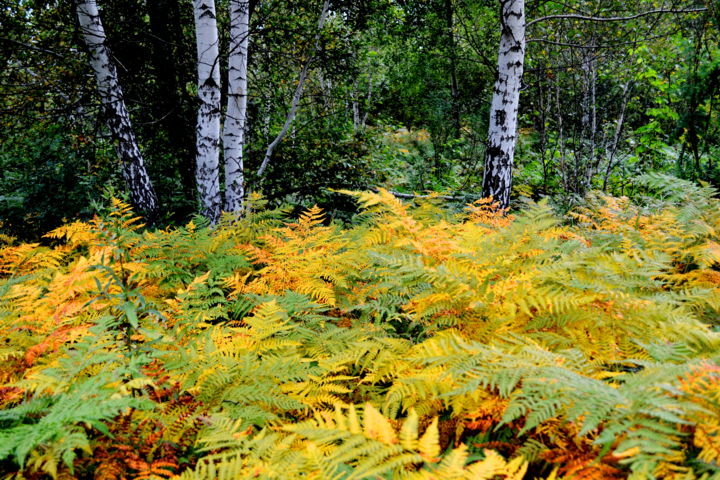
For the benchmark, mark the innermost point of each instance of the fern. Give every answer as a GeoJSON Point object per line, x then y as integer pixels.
{"type": "Point", "coordinates": [341, 445]}
{"type": "Point", "coordinates": [583, 347]}
{"type": "Point", "coordinates": [56, 424]}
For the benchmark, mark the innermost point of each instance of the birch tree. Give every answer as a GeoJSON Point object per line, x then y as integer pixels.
{"type": "Point", "coordinates": [236, 113]}
{"type": "Point", "coordinates": [298, 92]}
{"type": "Point", "coordinates": [208, 118]}
{"type": "Point", "coordinates": [500, 153]}
{"type": "Point", "coordinates": [142, 194]}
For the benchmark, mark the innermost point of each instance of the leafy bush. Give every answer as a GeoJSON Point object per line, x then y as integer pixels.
{"type": "Point", "coordinates": [42, 168]}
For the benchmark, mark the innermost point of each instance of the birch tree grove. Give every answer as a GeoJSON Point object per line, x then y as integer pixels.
{"type": "Point", "coordinates": [236, 113]}
{"type": "Point", "coordinates": [208, 118]}
{"type": "Point", "coordinates": [499, 156]}
{"type": "Point", "coordinates": [135, 174]}
{"type": "Point", "coordinates": [297, 100]}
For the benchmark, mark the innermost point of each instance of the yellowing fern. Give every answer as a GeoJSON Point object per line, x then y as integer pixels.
{"type": "Point", "coordinates": [417, 343]}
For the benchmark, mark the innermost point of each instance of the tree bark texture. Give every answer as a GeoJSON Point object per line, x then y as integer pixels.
{"type": "Point", "coordinates": [502, 134]}
{"type": "Point", "coordinates": [208, 118]}
{"type": "Point", "coordinates": [236, 113]}
{"type": "Point", "coordinates": [142, 194]}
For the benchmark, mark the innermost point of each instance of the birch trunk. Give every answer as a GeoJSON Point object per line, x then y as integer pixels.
{"type": "Point", "coordinates": [355, 104]}
{"type": "Point", "coordinates": [207, 169]}
{"type": "Point", "coordinates": [298, 93]}
{"type": "Point", "coordinates": [612, 151]}
{"type": "Point", "coordinates": [499, 157]}
{"type": "Point", "coordinates": [142, 194]}
{"type": "Point", "coordinates": [236, 113]}
{"type": "Point", "coordinates": [368, 100]}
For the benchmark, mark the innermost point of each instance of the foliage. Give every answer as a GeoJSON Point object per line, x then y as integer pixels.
{"type": "Point", "coordinates": [42, 165]}
{"type": "Point", "coordinates": [417, 343]}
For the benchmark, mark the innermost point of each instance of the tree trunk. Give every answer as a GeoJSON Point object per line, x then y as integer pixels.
{"type": "Point", "coordinates": [142, 194]}
{"type": "Point", "coordinates": [356, 104]}
{"type": "Point", "coordinates": [541, 127]}
{"type": "Point", "coordinates": [618, 132]}
{"type": "Point", "coordinates": [236, 114]}
{"type": "Point", "coordinates": [298, 93]}
{"type": "Point", "coordinates": [368, 99]}
{"type": "Point", "coordinates": [589, 118]}
{"type": "Point", "coordinates": [208, 119]}
{"type": "Point", "coordinates": [499, 157]}
{"type": "Point", "coordinates": [561, 137]}
{"type": "Point", "coordinates": [454, 92]}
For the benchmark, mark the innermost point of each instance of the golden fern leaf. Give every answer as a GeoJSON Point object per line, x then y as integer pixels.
{"type": "Point", "coordinates": [429, 443]}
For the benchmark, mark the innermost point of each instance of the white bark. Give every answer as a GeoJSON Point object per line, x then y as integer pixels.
{"type": "Point", "coordinates": [368, 100]}
{"type": "Point", "coordinates": [326, 87]}
{"type": "Point", "coordinates": [298, 93]}
{"type": "Point", "coordinates": [359, 121]}
{"type": "Point", "coordinates": [208, 119]}
{"type": "Point", "coordinates": [612, 151]}
{"type": "Point", "coordinates": [355, 104]}
{"type": "Point", "coordinates": [502, 134]}
{"type": "Point", "coordinates": [236, 114]}
{"type": "Point", "coordinates": [142, 194]}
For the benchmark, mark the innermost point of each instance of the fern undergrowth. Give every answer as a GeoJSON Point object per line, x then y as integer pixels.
{"type": "Point", "coordinates": [416, 343]}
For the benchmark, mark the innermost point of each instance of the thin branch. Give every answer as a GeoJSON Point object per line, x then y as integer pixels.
{"type": "Point", "coordinates": [614, 19]}
{"type": "Point", "coordinates": [594, 47]}
{"type": "Point", "coordinates": [32, 47]}
{"type": "Point", "coordinates": [412, 196]}
{"type": "Point", "coordinates": [298, 93]}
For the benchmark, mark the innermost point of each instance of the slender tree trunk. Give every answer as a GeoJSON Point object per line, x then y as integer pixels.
{"type": "Point", "coordinates": [589, 119]}
{"type": "Point", "coordinates": [298, 93]}
{"type": "Point", "coordinates": [616, 138]}
{"type": "Point", "coordinates": [142, 194]}
{"type": "Point", "coordinates": [561, 137]}
{"type": "Point", "coordinates": [368, 99]}
{"type": "Point", "coordinates": [356, 104]}
{"type": "Point", "coordinates": [326, 87]}
{"type": "Point", "coordinates": [236, 114]}
{"type": "Point", "coordinates": [680, 162]}
{"type": "Point", "coordinates": [266, 120]}
{"type": "Point", "coordinates": [454, 92]}
{"type": "Point", "coordinates": [540, 123]}
{"type": "Point", "coordinates": [208, 119]}
{"type": "Point", "coordinates": [502, 135]}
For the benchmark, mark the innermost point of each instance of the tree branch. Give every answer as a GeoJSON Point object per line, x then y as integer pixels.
{"type": "Point", "coordinates": [411, 196]}
{"type": "Point", "coordinates": [298, 93]}
{"type": "Point", "coordinates": [590, 18]}
{"type": "Point", "coordinates": [32, 47]}
{"type": "Point", "coordinates": [595, 47]}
